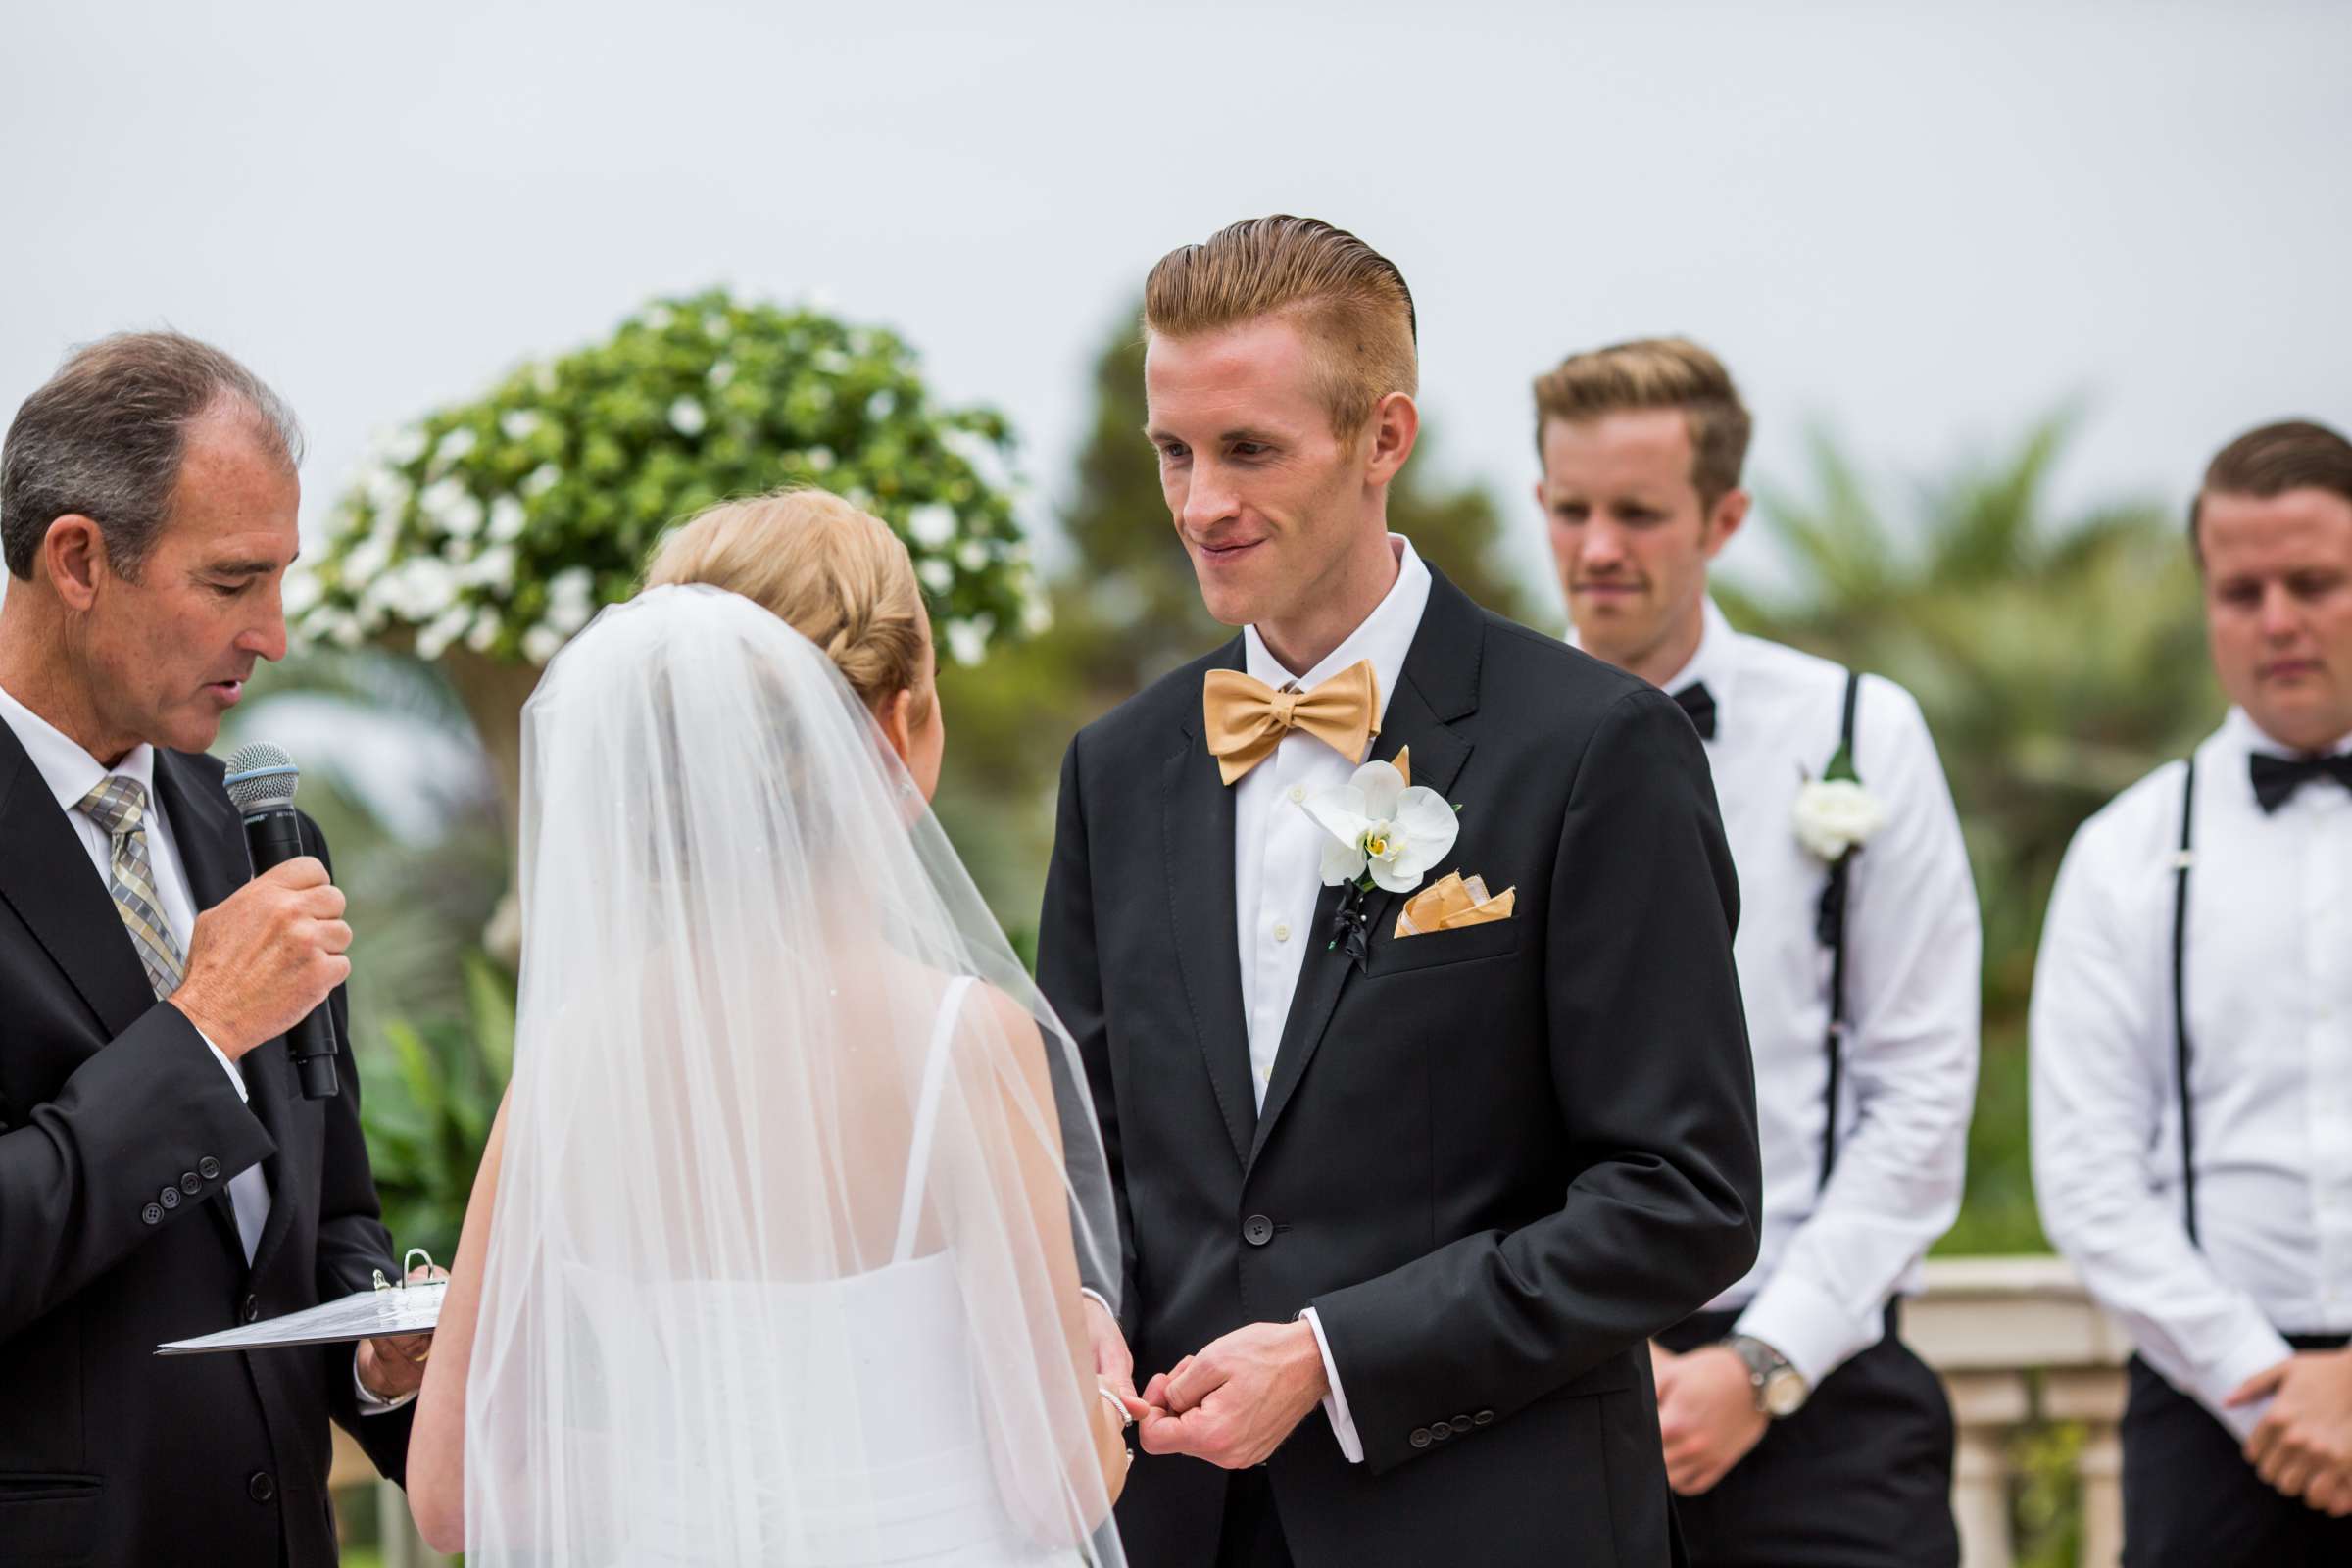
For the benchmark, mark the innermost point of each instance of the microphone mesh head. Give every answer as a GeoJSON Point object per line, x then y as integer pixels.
{"type": "Point", "coordinates": [261, 776]}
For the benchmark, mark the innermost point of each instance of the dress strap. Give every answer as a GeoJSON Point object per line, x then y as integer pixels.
{"type": "Point", "coordinates": [926, 1117]}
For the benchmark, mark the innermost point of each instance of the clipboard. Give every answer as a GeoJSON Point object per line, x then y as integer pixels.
{"type": "Point", "coordinates": [386, 1310]}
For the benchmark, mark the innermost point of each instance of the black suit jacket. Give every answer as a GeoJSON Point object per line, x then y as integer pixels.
{"type": "Point", "coordinates": [119, 1135]}
{"type": "Point", "coordinates": [1496, 1160]}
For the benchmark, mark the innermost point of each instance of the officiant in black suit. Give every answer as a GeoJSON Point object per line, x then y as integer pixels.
{"type": "Point", "coordinates": [1437, 1158]}
{"type": "Point", "coordinates": [160, 1173]}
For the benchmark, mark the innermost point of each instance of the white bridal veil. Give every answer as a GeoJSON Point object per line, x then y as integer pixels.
{"type": "Point", "coordinates": [784, 1266]}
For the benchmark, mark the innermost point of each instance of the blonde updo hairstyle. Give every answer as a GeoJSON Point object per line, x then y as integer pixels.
{"type": "Point", "coordinates": [831, 572]}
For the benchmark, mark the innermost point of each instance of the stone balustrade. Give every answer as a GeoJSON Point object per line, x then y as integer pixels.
{"type": "Point", "coordinates": [2016, 1339]}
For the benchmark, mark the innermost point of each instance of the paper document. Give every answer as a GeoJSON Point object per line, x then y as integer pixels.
{"type": "Point", "coordinates": [395, 1309]}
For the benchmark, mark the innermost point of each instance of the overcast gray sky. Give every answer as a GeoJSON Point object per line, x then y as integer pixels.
{"type": "Point", "coordinates": [1922, 223]}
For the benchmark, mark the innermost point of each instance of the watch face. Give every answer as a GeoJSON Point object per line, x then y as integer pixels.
{"type": "Point", "coordinates": [1784, 1392]}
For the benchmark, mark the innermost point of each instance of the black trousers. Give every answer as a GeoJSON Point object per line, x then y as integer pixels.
{"type": "Point", "coordinates": [1252, 1534]}
{"type": "Point", "coordinates": [2190, 1499]}
{"type": "Point", "coordinates": [1860, 1478]}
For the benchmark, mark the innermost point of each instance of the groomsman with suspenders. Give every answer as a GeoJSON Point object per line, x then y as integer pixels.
{"type": "Point", "coordinates": [1798, 1427]}
{"type": "Point", "coordinates": [2192, 1045]}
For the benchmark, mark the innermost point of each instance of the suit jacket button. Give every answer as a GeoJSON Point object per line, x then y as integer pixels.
{"type": "Point", "coordinates": [1461, 1423]}
{"type": "Point", "coordinates": [207, 1167]}
{"type": "Point", "coordinates": [1421, 1438]}
{"type": "Point", "coordinates": [1484, 1418]}
{"type": "Point", "coordinates": [190, 1182]}
{"type": "Point", "coordinates": [1440, 1431]}
{"type": "Point", "coordinates": [153, 1213]}
{"type": "Point", "coordinates": [168, 1197]}
{"type": "Point", "coordinates": [260, 1487]}
{"type": "Point", "coordinates": [252, 1307]}
{"type": "Point", "coordinates": [1257, 1229]}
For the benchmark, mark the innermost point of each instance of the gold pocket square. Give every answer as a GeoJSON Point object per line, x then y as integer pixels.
{"type": "Point", "coordinates": [1453, 903]}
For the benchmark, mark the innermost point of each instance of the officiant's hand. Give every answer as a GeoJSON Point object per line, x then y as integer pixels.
{"type": "Point", "coordinates": [2303, 1443]}
{"type": "Point", "coordinates": [1707, 1415]}
{"type": "Point", "coordinates": [1234, 1403]}
{"type": "Point", "coordinates": [1115, 1363]}
{"type": "Point", "coordinates": [393, 1367]}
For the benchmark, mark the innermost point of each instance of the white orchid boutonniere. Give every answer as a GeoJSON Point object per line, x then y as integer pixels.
{"type": "Point", "coordinates": [1835, 814]}
{"type": "Point", "coordinates": [1385, 832]}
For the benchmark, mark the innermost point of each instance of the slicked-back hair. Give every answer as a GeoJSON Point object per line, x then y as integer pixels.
{"type": "Point", "coordinates": [2272, 459]}
{"type": "Point", "coordinates": [104, 439]}
{"type": "Point", "coordinates": [1349, 301]}
{"type": "Point", "coordinates": [1656, 372]}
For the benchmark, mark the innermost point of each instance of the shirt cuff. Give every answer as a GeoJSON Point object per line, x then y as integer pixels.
{"type": "Point", "coordinates": [1096, 1297]}
{"type": "Point", "coordinates": [369, 1405]}
{"type": "Point", "coordinates": [227, 1066]}
{"type": "Point", "coordinates": [2261, 1349]}
{"type": "Point", "coordinates": [1335, 1403]}
{"type": "Point", "coordinates": [1808, 1326]}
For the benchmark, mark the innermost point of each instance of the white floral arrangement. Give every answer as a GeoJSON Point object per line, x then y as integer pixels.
{"type": "Point", "coordinates": [1835, 814]}
{"type": "Point", "coordinates": [503, 525]}
{"type": "Point", "coordinates": [1382, 831]}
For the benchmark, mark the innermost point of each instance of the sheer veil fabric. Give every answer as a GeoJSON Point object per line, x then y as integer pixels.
{"type": "Point", "coordinates": [800, 1167]}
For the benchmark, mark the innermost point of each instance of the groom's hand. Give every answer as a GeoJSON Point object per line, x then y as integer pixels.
{"type": "Point", "coordinates": [1707, 1415]}
{"type": "Point", "coordinates": [1233, 1403]}
{"type": "Point", "coordinates": [1115, 1363]}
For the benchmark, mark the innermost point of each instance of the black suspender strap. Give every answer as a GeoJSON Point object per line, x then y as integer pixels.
{"type": "Point", "coordinates": [1832, 931]}
{"type": "Point", "coordinates": [2180, 865]}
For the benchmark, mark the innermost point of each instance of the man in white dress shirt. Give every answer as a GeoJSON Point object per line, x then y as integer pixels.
{"type": "Point", "coordinates": [160, 1173]}
{"type": "Point", "coordinates": [2192, 1045]}
{"type": "Point", "coordinates": [1798, 1427]}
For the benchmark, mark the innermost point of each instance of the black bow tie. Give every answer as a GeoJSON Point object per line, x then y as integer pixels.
{"type": "Point", "coordinates": [1700, 704]}
{"type": "Point", "coordinates": [2277, 777]}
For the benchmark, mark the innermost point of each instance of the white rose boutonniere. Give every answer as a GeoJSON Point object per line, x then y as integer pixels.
{"type": "Point", "coordinates": [1384, 832]}
{"type": "Point", "coordinates": [1835, 814]}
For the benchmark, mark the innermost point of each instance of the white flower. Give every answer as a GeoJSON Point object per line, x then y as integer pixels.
{"type": "Point", "coordinates": [493, 569]}
{"type": "Point", "coordinates": [933, 525]}
{"type": "Point", "coordinates": [506, 519]}
{"type": "Point", "coordinates": [716, 325]}
{"type": "Point", "coordinates": [686, 417]}
{"type": "Point", "coordinates": [520, 424]}
{"type": "Point", "coordinates": [973, 556]}
{"type": "Point", "coordinates": [485, 629]}
{"type": "Point", "coordinates": [406, 447]}
{"type": "Point", "coordinates": [659, 317]}
{"type": "Point", "coordinates": [301, 593]}
{"type": "Point", "coordinates": [387, 491]}
{"type": "Point", "coordinates": [967, 640]}
{"type": "Point", "coordinates": [541, 644]}
{"type": "Point", "coordinates": [831, 362]}
{"type": "Point", "coordinates": [570, 600]}
{"type": "Point", "coordinates": [1037, 610]}
{"type": "Point", "coordinates": [1379, 824]}
{"type": "Point", "coordinates": [721, 375]}
{"type": "Point", "coordinates": [440, 499]}
{"type": "Point", "coordinates": [937, 575]}
{"type": "Point", "coordinates": [368, 558]}
{"type": "Point", "coordinates": [538, 482]}
{"type": "Point", "coordinates": [454, 446]}
{"type": "Point", "coordinates": [462, 519]}
{"type": "Point", "coordinates": [1834, 815]}
{"type": "Point", "coordinates": [435, 640]}
{"type": "Point", "coordinates": [820, 457]}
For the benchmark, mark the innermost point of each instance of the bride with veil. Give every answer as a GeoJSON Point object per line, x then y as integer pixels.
{"type": "Point", "coordinates": [776, 1251]}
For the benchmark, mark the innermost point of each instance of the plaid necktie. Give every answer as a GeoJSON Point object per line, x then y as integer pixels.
{"type": "Point", "coordinates": [119, 805]}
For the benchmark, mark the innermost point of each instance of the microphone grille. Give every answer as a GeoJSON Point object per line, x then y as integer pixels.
{"type": "Point", "coordinates": [261, 776]}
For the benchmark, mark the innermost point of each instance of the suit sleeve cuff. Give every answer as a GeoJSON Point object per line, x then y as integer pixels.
{"type": "Point", "coordinates": [227, 1066]}
{"type": "Point", "coordinates": [369, 1405]}
{"type": "Point", "coordinates": [1335, 1403]}
{"type": "Point", "coordinates": [1808, 1325]}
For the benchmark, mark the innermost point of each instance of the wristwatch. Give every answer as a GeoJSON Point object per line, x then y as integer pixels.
{"type": "Point", "coordinates": [1779, 1389]}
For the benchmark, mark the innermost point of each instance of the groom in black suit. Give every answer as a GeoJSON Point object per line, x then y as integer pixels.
{"type": "Point", "coordinates": [1437, 1157]}
{"type": "Point", "coordinates": [160, 1173]}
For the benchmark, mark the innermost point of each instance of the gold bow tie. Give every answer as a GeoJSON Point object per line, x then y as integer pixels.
{"type": "Point", "coordinates": [1245, 718]}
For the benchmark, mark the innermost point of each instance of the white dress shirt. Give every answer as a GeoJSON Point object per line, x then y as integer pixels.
{"type": "Point", "coordinates": [1831, 1258]}
{"type": "Point", "coordinates": [2268, 992]}
{"type": "Point", "coordinates": [1278, 853]}
{"type": "Point", "coordinates": [71, 772]}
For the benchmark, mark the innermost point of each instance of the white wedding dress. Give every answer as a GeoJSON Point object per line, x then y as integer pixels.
{"type": "Point", "coordinates": [763, 1011]}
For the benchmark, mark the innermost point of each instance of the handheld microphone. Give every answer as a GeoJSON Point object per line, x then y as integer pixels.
{"type": "Point", "coordinates": [262, 780]}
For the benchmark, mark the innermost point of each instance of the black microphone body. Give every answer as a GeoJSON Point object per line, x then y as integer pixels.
{"type": "Point", "coordinates": [272, 837]}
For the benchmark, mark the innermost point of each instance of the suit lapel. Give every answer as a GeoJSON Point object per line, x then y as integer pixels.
{"type": "Point", "coordinates": [47, 879]}
{"type": "Point", "coordinates": [1197, 823]}
{"type": "Point", "coordinates": [210, 840]}
{"type": "Point", "coordinates": [1439, 685]}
